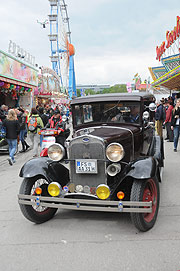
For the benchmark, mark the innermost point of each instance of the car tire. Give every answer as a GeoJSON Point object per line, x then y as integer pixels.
{"type": "Point", "coordinates": [29, 211]}
{"type": "Point", "coordinates": [145, 190]}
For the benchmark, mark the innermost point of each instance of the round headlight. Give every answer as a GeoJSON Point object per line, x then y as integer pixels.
{"type": "Point", "coordinates": [56, 152]}
{"type": "Point", "coordinates": [115, 152]}
{"type": "Point", "coordinates": [54, 189]}
{"type": "Point", "coordinates": [103, 191]}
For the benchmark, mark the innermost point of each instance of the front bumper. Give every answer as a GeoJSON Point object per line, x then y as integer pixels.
{"type": "Point", "coordinates": [87, 205]}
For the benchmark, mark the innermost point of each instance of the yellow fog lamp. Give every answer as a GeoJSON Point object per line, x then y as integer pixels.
{"type": "Point", "coordinates": [103, 191]}
{"type": "Point", "coordinates": [115, 152]}
{"type": "Point", "coordinates": [54, 189]}
{"type": "Point", "coordinates": [120, 195]}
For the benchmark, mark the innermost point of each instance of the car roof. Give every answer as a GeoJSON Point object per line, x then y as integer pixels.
{"type": "Point", "coordinates": [114, 97]}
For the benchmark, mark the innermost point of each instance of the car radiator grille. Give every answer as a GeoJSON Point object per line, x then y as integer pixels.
{"type": "Point", "coordinates": [88, 147]}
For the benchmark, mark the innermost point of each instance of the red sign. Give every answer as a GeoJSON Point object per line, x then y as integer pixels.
{"type": "Point", "coordinates": [45, 93]}
{"type": "Point", "coordinates": [170, 38]}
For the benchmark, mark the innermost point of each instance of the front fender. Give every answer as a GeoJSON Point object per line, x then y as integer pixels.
{"type": "Point", "coordinates": [51, 170]}
{"type": "Point", "coordinates": [143, 168]}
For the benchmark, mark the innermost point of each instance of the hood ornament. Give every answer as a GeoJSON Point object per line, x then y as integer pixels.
{"type": "Point", "coordinates": [86, 131]}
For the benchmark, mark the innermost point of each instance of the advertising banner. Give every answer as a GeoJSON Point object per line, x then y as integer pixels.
{"type": "Point", "coordinates": [16, 70]}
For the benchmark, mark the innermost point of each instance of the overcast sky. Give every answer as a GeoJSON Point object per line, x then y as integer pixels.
{"type": "Point", "coordinates": [114, 39]}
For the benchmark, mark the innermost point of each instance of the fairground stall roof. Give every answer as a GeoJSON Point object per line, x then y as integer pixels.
{"type": "Point", "coordinates": [167, 75]}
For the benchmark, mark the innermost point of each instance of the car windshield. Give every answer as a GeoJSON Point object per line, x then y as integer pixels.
{"type": "Point", "coordinates": [114, 112]}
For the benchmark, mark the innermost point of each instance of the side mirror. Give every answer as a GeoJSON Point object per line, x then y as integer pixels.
{"type": "Point", "coordinates": [152, 107]}
{"type": "Point", "coordinates": [145, 115]}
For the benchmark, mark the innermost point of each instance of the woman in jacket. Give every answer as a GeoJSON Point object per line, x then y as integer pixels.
{"type": "Point", "coordinates": [22, 118]}
{"type": "Point", "coordinates": [168, 121]}
{"type": "Point", "coordinates": [33, 133]}
{"type": "Point", "coordinates": [12, 130]}
{"type": "Point", "coordinates": [175, 123]}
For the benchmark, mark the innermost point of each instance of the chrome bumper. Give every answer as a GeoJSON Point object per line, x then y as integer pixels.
{"type": "Point", "coordinates": [87, 205]}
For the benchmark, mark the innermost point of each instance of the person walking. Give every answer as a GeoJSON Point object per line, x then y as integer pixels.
{"type": "Point", "coordinates": [22, 118]}
{"type": "Point", "coordinates": [160, 118]}
{"type": "Point", "coordinates": [45, 120]}
{"type": "Point", "coordinates": [169, 137]}
{"type": "Point", "coordinates": [34, 125]}
{"type": "Point", "coordinates": [175, 123]}
{"type": "Point", "coordinates": [12, 127]}
{"type": "Point", "coordinates": [43, 116]}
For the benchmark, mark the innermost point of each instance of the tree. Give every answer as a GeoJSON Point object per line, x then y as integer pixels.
{"type": "Point", "coordinates": [114, 89]}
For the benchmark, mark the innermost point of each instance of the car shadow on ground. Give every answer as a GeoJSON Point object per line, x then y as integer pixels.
{"type": "Point", "coordinates": [92, 215]}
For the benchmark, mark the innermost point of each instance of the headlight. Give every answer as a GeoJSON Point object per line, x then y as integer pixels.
{"type": "Point", "coordinates": [103, 191]}
{"type": "Point", "coordinates": [115, 152]}
{"type": "Point", "coordinates": [56, 152]}
{"type": "Point", "coordinates": [54, 189]}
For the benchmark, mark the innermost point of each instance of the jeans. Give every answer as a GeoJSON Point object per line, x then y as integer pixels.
{"type": "Point", "coordinates": [176, 136]}
{"type": "Point", "coordinates": [41, 140]}
{"type": "Point", "coordinates": [12, 147]}
{"type": "Point", "coordinates": [21, 135]}
{"type": "Point", "coordinates": [35, 139]}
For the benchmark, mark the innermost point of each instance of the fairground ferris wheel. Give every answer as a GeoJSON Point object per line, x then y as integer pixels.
{"type": "Point", "coordinates": [62, 51]}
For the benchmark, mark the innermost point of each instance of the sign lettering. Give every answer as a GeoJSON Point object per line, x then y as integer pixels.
{"type": "Point", "coordinates": [19, 52]}
{"type": "Point", "coordinates": [171, 37]}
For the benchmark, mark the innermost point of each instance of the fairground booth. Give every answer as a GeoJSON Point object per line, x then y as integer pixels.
{"type": "Point", "coordinates": [17, 82]}
{"type": "Point", "coordinates": [48, 89]}
{"type": "Point", "coordinates": [167, 75]}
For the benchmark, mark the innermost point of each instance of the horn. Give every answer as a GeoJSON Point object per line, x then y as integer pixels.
{"type": "Point", "coordinates": [113, 169]}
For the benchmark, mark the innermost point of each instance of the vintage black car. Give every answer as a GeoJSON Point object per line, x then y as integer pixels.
{"type": "Point", "coordinates": [114, 163]}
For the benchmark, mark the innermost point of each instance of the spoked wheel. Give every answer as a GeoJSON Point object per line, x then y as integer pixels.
{"type": "Point", "coordinates": [145, 191]}
{"type": "Point", "coordinates": [36, 214]}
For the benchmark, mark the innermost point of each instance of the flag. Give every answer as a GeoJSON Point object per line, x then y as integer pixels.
{"type": "Point", "coordinates": [138, 83]}
{"type": "Point", "coordinates": [136, 75]}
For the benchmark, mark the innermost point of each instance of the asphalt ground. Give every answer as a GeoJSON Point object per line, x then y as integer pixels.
{"type": "Point", "coordinates": [79, 240]}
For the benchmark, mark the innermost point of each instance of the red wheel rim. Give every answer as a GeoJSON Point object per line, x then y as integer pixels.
{"type": "Point", "coordinates": [150, 194]}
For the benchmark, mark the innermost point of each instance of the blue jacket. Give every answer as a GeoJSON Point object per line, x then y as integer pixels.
{"type": "Point", "coordinates": [159, 112]}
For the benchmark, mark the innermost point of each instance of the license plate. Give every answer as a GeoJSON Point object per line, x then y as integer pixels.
{"type": "Point", "coordinates": [86, 166]}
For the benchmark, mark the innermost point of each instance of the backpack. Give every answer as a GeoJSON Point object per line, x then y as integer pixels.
{"type": "Point", "coordinates": [32, 124]}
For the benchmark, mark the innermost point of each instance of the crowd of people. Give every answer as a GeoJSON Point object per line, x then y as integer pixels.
{"type": "Point", "coordinates": [168, 115]}
{"type": "Point", "coordinates": [19, 122]}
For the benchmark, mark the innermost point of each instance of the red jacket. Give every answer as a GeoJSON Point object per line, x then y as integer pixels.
{"type": "Point", "coordinates": [169, 114]}
{"type": "Point", "coordinates": [58, 123]}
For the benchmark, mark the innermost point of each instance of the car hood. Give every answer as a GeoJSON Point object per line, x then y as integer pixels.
{"type": "Point", "coordinates": [112, 133]}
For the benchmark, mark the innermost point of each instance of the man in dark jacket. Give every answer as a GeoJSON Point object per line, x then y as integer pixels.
{"type": "Point", "coordinates": [159, 118]}
{"type": "Point", "coordinates": [43, 116]}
